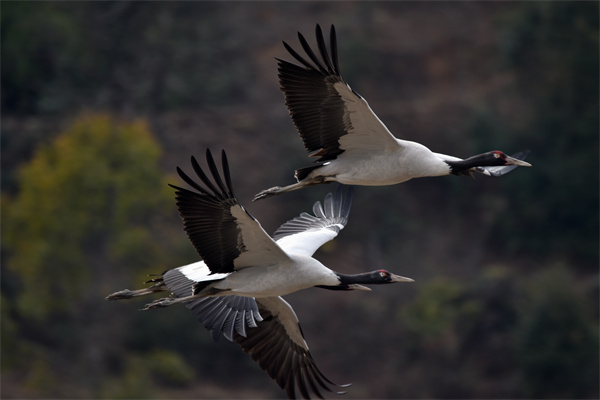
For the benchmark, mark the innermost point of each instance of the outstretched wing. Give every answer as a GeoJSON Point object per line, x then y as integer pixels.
{"type": "Point", "coordinates": [330, 117]}
{"type": "Point", "coordinates": [219, 315]}
{"type": "Point", "coordinates": [279, 348]}
{"type": "Point", "coordinates": [224, 234]}
{"type": "Point", "coordinates": [306, 233]}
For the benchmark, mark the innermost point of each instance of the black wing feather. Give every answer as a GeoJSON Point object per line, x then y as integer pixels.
{"type": "Point", "coordinates": [334, 52]}
{"type": "Point", "coordinates": [316, 108]}
{"type": "Point", "coordinates": [323, 50]}
{"type": "Point", "coordinates": [297, 56]}
{"type": "Point", "coordinates": [311, 54]}
{"type": "Point", "coordinates": [226, 173]}
{"type": "Point", "coordinates": [208, 219]}
{"type": "Point", "coordinates": [215, 313]}
{"type": "Point", "coordinates": [189, 181]}
{"type": "Point", "coordinates": [285, 361]}
{"type": "Point", "coordinates": [198, 170]}
{"type": "Point", "coordinates": [215, 173]}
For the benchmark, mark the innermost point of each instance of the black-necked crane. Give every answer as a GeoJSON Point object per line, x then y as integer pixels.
{"type": "Point", "coordinates": [236, 289]}
{"type": "Point", "coordinates": [353, 146]}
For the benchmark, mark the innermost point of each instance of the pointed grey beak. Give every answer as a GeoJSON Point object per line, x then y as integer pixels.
{"type": "Point", "coordinates": [398, 278]}
{"type": "Point", "coordinates": [356, 286]}
{"type": "Point", "coordinates": [515, 161]}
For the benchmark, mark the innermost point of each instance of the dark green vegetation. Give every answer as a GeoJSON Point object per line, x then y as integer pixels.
{"type": "Point", "coordinates": [101, 100]}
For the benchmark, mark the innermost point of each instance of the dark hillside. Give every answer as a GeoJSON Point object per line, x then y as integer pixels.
{"type": "Point", "coordinates": [102, 100]}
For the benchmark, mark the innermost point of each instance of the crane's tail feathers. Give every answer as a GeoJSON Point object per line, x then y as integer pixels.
{"type": "Point", "coordinates": [302, 173]}
{"type": "Point", "coordinates": [128, 294]}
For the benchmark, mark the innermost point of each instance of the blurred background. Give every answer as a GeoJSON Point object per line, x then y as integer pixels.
{"type": "Point", "coordinates": [102, 100]}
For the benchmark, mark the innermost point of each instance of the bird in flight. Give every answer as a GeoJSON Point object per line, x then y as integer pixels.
{"type": "Point", "coordinates": [353, 146]}
{"type": "Point", "coordinates": [236, 289]}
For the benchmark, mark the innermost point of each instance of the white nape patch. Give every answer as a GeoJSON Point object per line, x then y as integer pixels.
{"type": "Point", "coordinates": [199, 272]}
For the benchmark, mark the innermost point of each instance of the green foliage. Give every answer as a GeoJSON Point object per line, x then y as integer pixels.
{"type": "Point", "coordinates": [34, 75]}
{"type": "Point", "coordinates": [553, 49]}
{"type": "Point", "coordinates": [557, 344]}
{"type": "Point", "coordinates": [144, 372]}
{"type": "Point", "coordinates": [438, 306]}
{"type": "Point", "coordinates": [90, 214]}
{"type": "Point", "coordinates": [54, 53]}
{"type": "Point", "coordinates": [86, 200]}
{"type": "Point", "coordinates": [9, 331]}
{"type": "Point", "coordinates": [505, 327]}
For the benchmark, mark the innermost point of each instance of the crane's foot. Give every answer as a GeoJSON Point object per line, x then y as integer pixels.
{"type": "Point", "coordinates": [122, 295]}
{"type": "Point", "coordinates": [159, 286]}
{"type": "Point", "coordinates": [165, 302]}
{"type": "Point", "coordinates": [275, 190]}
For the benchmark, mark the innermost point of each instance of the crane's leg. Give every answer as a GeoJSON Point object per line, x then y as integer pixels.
{"type": "Point", "coordinates": [276, 190]}
{"type": "Point", "coordinates": [168, 301]}
{"type": "Point", "coordinates": [128, 294]}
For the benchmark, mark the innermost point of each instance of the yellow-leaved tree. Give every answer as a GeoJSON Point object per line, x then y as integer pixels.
{"type": "Point", "coordinates": [93, 214]}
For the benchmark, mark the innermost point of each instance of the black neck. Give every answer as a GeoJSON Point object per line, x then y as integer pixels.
{"type": "Point", "coordinates": [365, 278]}
{"type": "Point", "coordinates": [480, 160]}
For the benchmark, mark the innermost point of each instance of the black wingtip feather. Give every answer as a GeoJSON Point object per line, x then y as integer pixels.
{"type": "Point", "coordinates": [198, 170]}
{"type": "Point", "coordinates": [334, 51]}
{"type": "Point", "coordinates": [207, 215]}
{"type": "Point", "coordinates": [311, 54]}
{"type": "Point", "coordinates": [212, 166]}
{"type": "Point", "coordinates": [189, 180]}
{"type": "Point", "coordinates": [323, 50]}
{"type": "Point", "coordinates": [297, 56]}
{"type": "Point", "coordinates": [226, 173]}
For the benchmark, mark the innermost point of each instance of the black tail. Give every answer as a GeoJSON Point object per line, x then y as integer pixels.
{"type": "Point", "coordinates": [302, 173]}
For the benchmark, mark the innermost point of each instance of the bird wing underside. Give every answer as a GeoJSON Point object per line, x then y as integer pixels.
{"type": "Point", "coordinates": [323, 107]}
{"type": "Point", "coordinates": [278, 346]}
{"type": "Point", "coordinates": [227, 315]}
{"type": "Point", "coordinates": [306, 233]}
{"type": "Point", "coordinates": [224, 234]}
{"type": "Point", "coordinates": [219, 315]}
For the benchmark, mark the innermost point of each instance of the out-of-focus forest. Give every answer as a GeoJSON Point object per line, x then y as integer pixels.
{"type": "Point", "coordinates": [102, 100]}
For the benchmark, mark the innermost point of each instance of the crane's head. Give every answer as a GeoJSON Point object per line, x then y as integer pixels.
{"type": "Point", "coordinates": [357, 281]}
{"type": "Point", "coordinates": [498, 157]}
{"type": "Point", "coordinates": [482, 162]}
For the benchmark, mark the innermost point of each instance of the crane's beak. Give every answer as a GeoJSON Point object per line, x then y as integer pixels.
{"type": "Point", "coordinates": [515, 161]}
{"type": "Point", "coordinates": [398, 278]}
{"type": "Point", "coordinates": [356, 286]}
